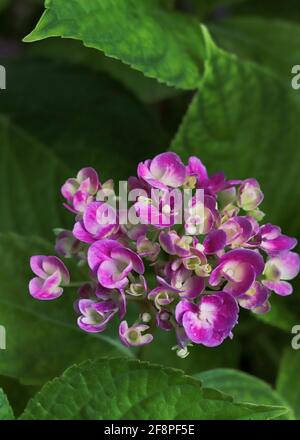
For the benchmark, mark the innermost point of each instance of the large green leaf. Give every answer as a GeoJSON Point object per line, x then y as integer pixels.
{"type": "Point", "coordinates": [84, 116]}
{"type": "Point", "coordinates": [242, 387]}
{"type": "Point", "coordinates": [30, 179]}
{"type": "Point", "coordinates": [6, 413]}
{"type": "Point", "coordinates": [264, 41]}
{"type": "Point", "coordinates": [146, 89]}
{"type": "Point", "coordinates": [288, 379]}
{"type": "Point", "coordinates": [122, 389]}
{"type": "Point", "coordinates": [164, 45]}
{"type": "Point", "coordinates": [17, 394]}
{"type": "Point", "coordinates": [42, 338]}
{"type": "Point", "coordinates": [243, 122]}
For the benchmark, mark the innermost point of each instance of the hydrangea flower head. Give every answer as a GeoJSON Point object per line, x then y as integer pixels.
{"type": "Point", "coordinates": [192, 251]}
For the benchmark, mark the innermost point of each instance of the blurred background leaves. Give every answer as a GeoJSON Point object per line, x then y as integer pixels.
{"type": "Point", "coordinates": [67, 106]}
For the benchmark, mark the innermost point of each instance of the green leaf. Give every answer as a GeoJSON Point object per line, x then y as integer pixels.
{"type": "Point", "coordinates": [242, 387]}
{"type": "Point", "coordinates": [164, 45]}
{"type": "Point", "coordinates": [122, 389]}
{"type": "Point", "coordinates": [264, 41]}
{"type": "Point", "coordinates": [6, 413]}
{"type": "Point", "coordinates": [17, 394]}
{"type": "Point", "coordinates": [42, 339]}
{"type": "Point", "coordinates": [243, 122]}
{"type": "Point", "coordinates": [84, 117]}
{"type": "Point", "coordinates": [146, 89]}
{"type": "Point", "coordinates": [30, 179]}
{"type": "Point", "coordinates": [288, 379]}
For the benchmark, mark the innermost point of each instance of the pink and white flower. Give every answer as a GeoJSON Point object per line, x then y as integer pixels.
{"type": "Point", "coordinates": [133, 336]}
{"type": "Point", "coordinates": [78, 191]}
{"type": "Point", "coordinates": [51, 275]}
{"type": "Point", "coordinates": [95, 315]}
{"type": "Point", "coordinates": [165, 170]}
{"type": "Point", "coordinates": [113, 262]}
{"type": "Point", "coordinates": [211, 320]}
{"type": "Point", "coordinates": [99, 221]}
{"type": "Point", "coordinates": [250, 195]}
{"type": "Point", "coordinates": [273, 241]}
{"type": "Point", "coordinates": [279, 270]}
{"type": "Point", "coordinates": [239, 268]}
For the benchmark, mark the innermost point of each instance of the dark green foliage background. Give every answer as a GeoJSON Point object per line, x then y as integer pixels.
{"type": "Point", "coordinates": [130, 80]}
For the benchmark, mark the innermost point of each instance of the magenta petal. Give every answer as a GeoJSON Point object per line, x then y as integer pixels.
{"type": "Point", "coordinates": [216, 276]}
{"type": "Point", "coordinates": [269, 231]}
{"type": "Point", "coordinates": [36, 264]}
{"type": "Point", "coordinates": [264, 308]}
{"type": "Point", "coordinates": [81, 234]}
{"type": "Point", "coordinates": [126, 254]}
{"type": "Point", "coordinates": [123, 327]}
{"type": "Point", "coordinates": [143, 171]}
{"type": "Point", "coordinates": [247, 278]}
{"type": "Point", "coordinates": [213, 319]}
{"type": "Point", "coordinates": [245, 256]}
{"type": "Point", "coordinates": [196, 167]}
{"type": "Point", "coordinates": [90, 174]}
{"type": "Point", "coordinates": [217, 182]}
{"type": "Point", "coordinates": [84, 305]}
{"type": "Point", "coordinates": [279, 244]}
{"type": "Point", "coordinates": [282, 288]}
{"type": "Point", "coordinates": [52, 264]}
{"type": "Point", "coordinates": [69, 188]}
{"type": "Point", "coordinates": [183, 307]}
{"type": "Point", "coordinates": [100, 251]}
{"type": "Point", "coordinates": [192, 287]}
{"type": "Point", "coordinates": [123, 304]}
{"type": "Point", "coordinates": [256, 297]}
{"type": "Point", "coordinates": [197, 331]}
{"type": "Point", "coordinates": [91, 328]}
{"type": "Point", "coordinates": [110, 277]}
{"type": "Point", "coordinates": [167, 240]}
{"type": "Point", "coordinates": [214, 242]}
{"type": "Point", "coordinates": [39, 291]}
{"type": "Point", "coordinates": [168, 169]}
{"type": "Point", "coordinates": [90, 218]}
{"type": "Point", "coordinates": [288, 264]}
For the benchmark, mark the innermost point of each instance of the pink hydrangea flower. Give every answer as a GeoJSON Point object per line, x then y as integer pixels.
{"type": "Point", "coordinates": [133, 336]}
{"type": "Point", "coordinates": [95, 316]}
{"type": "Point", "coordinates": [279, 270]}
{"type": "Point", "coordinates": [99, 221]}
{"type": "Point", "coordinates": [187, 269]}
{"type": "Point", "coordinates": [211, 320]}
{"type": "Point", "coordinates": [239, 268]}
{"type": "Point", "coordinates": [78, 191]}
{"type": "Point", "coordinates": [250, 195]}
{"type": "Point", "coordinates": [51, 275]}
{"type": "Point", "coordinates": [113, 262]}
{"type": "Point", "coordinates": [273, 241]}
{"type": "Point", "coordinates": [165, 170]}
